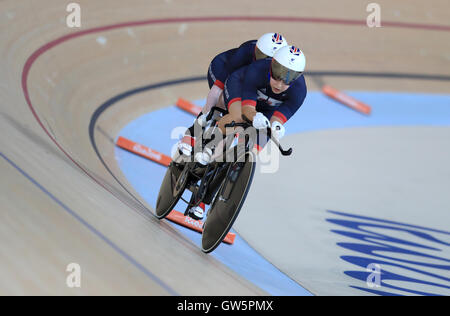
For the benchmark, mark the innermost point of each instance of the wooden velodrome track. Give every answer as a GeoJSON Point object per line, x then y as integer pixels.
{"type": "Point", "coordinates": [58, 202]}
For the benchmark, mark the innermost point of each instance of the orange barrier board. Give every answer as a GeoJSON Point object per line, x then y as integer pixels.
{"type": "Point", "coordinates": [164, 160]}
{"type": "Point", "coordinates": [188, 222]}
{"type": "Point", "coordinates": [188, 106]}
{"type": "Point", "coordinates": [143, 151]}
{"type": "Point", "coordinates": [346, 100]}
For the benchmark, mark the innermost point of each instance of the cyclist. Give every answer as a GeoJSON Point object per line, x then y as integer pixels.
{"type": "Point", "coordinates": [220, 68]}
{"type": "Point", "coordinates": [267, 92]}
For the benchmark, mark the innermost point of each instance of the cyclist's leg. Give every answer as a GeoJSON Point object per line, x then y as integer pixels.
{"type": "Point", "coordinates": [216, 144]}
{"type": "Point", "coordinates": [232, 101]}
{"type": "Point", "coordinates": [215, 85]}
{"type": "Point", "coordinates": [231, 98]}
{"type": "Point", "coordinates": [234, 114]}
{"type": "Point", "coordinates": [212, 99]}
{"type": "Point", "coordinates": [187, 143]}
{"type": "Point", "coordinates": [216, 88]}
{"type": "Point", "coordinates": [221, 103]}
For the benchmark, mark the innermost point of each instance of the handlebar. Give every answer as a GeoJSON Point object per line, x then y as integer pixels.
{"type": "Point", "coordinates": [248, 123]}
{"type": "Point", "coordinates": [234, 124]}
{"type": "Point", "coordinates": [211, 112]}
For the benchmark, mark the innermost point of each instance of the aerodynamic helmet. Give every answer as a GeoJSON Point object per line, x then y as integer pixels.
{"type": "Point", "coordinates": [268, 44]}
{"type": "Point", "coordinates": [288, 64]}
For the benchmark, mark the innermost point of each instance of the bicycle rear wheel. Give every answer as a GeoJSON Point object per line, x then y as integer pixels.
{"type": "Point", "coordinates": [172, 188]}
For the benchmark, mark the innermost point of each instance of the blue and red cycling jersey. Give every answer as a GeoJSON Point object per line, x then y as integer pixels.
{"type": "Point", "coordinates": [227, 62]}
{"type": "Point", "coordinates": [251, 85]}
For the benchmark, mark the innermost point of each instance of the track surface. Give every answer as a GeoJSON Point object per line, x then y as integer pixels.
{"type": "Point", "coordinates": [59, 202]}
{"type": "Point", "coordinates": [331, 175]}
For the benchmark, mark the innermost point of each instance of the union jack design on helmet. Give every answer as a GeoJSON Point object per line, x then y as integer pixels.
{"type": "Point", "coordinates": [268, 44]}
{"type": "Point", "coordinates": [288, 64]}
{"type": "Point", "coordinates": [277, 38]}
{"type": "Point", "coordinates": [294, 50]}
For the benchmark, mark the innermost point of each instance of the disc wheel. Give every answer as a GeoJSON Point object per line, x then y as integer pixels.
{"type": "Point", "coordinates": [228, 203]}
{"type": "Point", "coordinates": [172, 188]}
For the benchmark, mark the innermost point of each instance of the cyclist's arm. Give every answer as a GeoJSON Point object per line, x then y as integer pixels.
{"type": "Point", "coordinates": [289, 107]}
{"type": "Point", "coordinates": [276, 119]}
{"type": "Point", "coordinates": [256, 77]}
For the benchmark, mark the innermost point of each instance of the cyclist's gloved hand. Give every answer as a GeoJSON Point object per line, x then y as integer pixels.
{"type": "Point", "coordinates": [201, 120]}
{"type": "Point", "coordinates": [278, 130]}
{"type": "Point", "coordinates": [260, 121]}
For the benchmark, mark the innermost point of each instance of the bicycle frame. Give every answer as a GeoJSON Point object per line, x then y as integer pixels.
{"type": "Point", "coordinates": [211, 176]}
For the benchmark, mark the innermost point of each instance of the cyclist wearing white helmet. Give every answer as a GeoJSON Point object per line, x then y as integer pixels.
{"type": "Point", "coordinates": [227, 62]}
{"type": "Point", "coordinates": [219, 71]}
{"type": "Point", "coordinates": [267, 92]}
{"type": "Point", "coordinates": [221, 67]}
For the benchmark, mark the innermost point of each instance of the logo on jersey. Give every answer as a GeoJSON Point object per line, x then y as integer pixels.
{"type": "Point", "coordinates": [277, 39]}
{"type": "Point", "coordinates": [262, 97]}
{"type": "Point", "coordinates": [294, 50]}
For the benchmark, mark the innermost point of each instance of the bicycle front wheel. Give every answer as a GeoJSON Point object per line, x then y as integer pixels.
{"type": "Point", "coordinates": [228, 202]}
